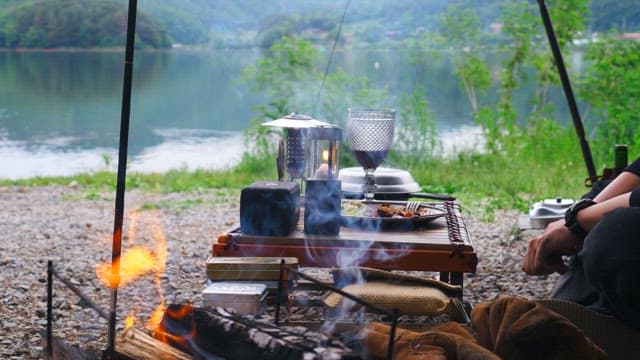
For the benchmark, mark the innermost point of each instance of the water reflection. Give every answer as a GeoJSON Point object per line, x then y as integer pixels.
{"type": "Point", "coordinates": [191, 149]}
{"type": "Point", "coordinates": [60, 111]}
{"type": "Point", "coordinates": [179, 148]}
{"type": "Point", "coordinates": [51, 157]}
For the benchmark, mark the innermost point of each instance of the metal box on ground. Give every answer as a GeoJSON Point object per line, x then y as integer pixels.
{"type": "Point", "coordinates": [244, 297]}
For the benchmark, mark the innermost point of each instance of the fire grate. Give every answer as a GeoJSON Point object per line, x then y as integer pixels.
{"type": "Point", "coordinates": [65, 352]}
{"type": "Point", "coordinates": [393, 315]}
{"type": "Point", "coordinates": [285, 340]}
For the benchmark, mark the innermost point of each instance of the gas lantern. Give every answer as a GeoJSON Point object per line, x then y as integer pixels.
{"type": "Point", "coordinates": [310, 148]}
{"type": "Point", "coordinates": [311, 158]}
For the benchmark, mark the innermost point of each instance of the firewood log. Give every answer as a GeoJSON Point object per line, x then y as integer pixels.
{"type": "Point", "coordinates": [207, 332]}
{"type": "Point", "coordinates": [135, 344]}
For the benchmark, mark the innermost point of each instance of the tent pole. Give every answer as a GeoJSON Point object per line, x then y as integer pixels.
{"type": "Point", "coordinates": [568, 92]}
{"type": "Point", "coordinates": [122, 175]}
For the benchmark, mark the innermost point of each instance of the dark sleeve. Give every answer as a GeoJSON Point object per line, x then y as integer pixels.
{"type": "Point", "coordinates": [634, 198]}
{"type": "Point", "coordinates": [634, 167]}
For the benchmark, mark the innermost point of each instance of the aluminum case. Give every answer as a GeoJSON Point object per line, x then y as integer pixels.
{"type": "Point", "coordinates": [244, 297]}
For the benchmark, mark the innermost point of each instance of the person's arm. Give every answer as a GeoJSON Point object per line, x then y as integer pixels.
{"type": "Point", "coordinates": [544, 253]}
{"type": "Point", "coordinates": [589, 217]}
{"type": "Point", "coordinates": [628, 180]}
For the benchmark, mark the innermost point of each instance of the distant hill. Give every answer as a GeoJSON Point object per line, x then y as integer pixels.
{"type": "Point", "coordinates": [74, 23]}
{"type": "Point", "coordinates": [219, 23]}
{"type": "Point", "coordinates": [244, 23]}
{"type": "Point", "coordinates": [231, 23]}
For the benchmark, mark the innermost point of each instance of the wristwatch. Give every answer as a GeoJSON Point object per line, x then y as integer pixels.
{"type": "Point", "coordinates": [570, 217]}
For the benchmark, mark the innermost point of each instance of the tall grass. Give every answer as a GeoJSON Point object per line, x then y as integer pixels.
{"type": "Point", "coordinates": [534, 168]}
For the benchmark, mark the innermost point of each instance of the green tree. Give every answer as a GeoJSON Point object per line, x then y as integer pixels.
{"type": "Point", "coordinates": [611, 87]}
{"type": "Point", "coordinates": [290, 79]}
{"type": "Point", "coordinates": [74, 23]}
{"type": "Point", "coordinates": [500, 121]}
{"type": "Point", "coordinates": [528, 61]}
{"type": "Point", "coordinates": [35, 38]}
{"type": "Point", "coordinates": [417, 130]}
{"type": "Point", "coordinates": [460, 35]}
{"type": "Point", "coordinates": [283, 76]}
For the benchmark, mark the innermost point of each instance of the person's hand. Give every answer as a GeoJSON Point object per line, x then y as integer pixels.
{"type": "Point", "coordinates": [544, 254]}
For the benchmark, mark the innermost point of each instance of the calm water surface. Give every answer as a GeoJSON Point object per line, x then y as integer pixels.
{"type": "Point", "coordinates": [60, 111]}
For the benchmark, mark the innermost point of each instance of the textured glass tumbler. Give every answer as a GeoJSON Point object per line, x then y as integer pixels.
{"type": "Point", "coordinates": [370, 134]}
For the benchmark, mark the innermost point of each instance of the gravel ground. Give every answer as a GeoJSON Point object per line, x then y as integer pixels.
{"type": "Point", "coordinates": [73, 228]}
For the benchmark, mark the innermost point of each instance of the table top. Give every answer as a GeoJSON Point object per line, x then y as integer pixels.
{"type": "Point", "coordinates": [442, 233]}
{"type": "Point", "coordinates": [442, 245]}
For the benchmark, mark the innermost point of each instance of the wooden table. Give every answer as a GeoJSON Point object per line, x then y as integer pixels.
{"type": "Point", "coordinates": [444, 246]}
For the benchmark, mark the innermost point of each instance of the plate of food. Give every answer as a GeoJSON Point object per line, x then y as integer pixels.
{"type": "Point", "coordinates": [381, 215]}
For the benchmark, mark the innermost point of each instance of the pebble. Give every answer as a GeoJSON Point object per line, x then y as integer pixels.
{"type": "Point", "coordinates": [61, 224]}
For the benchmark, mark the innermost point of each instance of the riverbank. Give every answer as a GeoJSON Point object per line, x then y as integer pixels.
{"type": "Point", "coordinates": [65, 225]}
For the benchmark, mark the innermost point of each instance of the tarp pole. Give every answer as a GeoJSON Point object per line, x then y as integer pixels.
{"type": "Point", "coordinates": [568, 92]}
{"type": "Point", "coordinates": [122, 175]}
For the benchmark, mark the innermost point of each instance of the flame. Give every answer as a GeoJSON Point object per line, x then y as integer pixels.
{"type": "Point", "coordinates": [138, 261]}
{"type": "Point", "coordinates": [179, 312]}
{"type": "Point", "coordinates": [133, 264]}
{"type": "Point", "coordinates": [133, 220]}
{"type": "Point", "coordinates": [325, 155]}
{"type": "Point", "coordinates": [156, 316]}
{"type": "Point", "coordinates": [161, 251]}
{"type": "Point", "coordinates": [129, 321]}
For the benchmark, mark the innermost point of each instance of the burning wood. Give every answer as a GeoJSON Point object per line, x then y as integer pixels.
{"type": "Point", "coordinates": [206, 332]}
{"type": "Point", "coordinates": [135, 344]}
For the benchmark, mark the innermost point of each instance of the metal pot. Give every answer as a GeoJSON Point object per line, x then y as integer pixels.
{"type": "Point", "coordinates": [391, 184]}
{"type": "Point", "coordinates": [546, 211]}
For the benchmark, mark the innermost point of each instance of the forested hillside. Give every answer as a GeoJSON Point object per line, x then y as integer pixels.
{"type": "Point", "coordinates": [219, 23]}
{"type": "Point", "coordinates": [245, 23]}
{"type": "Point", "coordinates": [75, 23]}
{"type": "Point", "coordinates": [240, 23]}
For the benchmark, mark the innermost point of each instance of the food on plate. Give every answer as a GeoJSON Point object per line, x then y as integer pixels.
{"type": "Point", "coordinates": [386, 210]}
{"type": "Point", "coordinates": [356, 208]}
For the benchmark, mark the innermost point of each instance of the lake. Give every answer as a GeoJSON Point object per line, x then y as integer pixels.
{"type": "Point", "coordinates": [60, 111]}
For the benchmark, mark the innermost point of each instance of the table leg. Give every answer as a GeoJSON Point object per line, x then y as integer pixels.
{"type": "Point", "coordinates": [444, 276]}
{"type": "Point", "coordinates": [456, 278]}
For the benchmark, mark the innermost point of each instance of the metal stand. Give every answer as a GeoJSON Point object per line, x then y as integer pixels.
{"type": "Point", "coordinates": [122, 174]}
{"type": "Point", "coordinates": [568, 92]}
{"type": "Point", "coordinates": [393, 315]}
{"type": "Point", "coordinates": [51, 273]}
{"type": "Point", "coordinates": [49, 309]}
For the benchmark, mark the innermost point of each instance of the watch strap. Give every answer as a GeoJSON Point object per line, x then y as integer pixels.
{"type": "Point", "coordinates": [570, 220]}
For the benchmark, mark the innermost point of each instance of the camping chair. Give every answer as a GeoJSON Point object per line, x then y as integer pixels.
{"type": "Point", "coordinates": [618, 340]}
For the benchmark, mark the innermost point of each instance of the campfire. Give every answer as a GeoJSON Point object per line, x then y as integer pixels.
{"type": "Point", "coordinates": [195, 329]}
{"type": "Point", "coordinates": [253, 281]}
{"type": "Point", "coordinates": [192, 330]}
{"type": "Point", "coordinates": [185, 331]}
